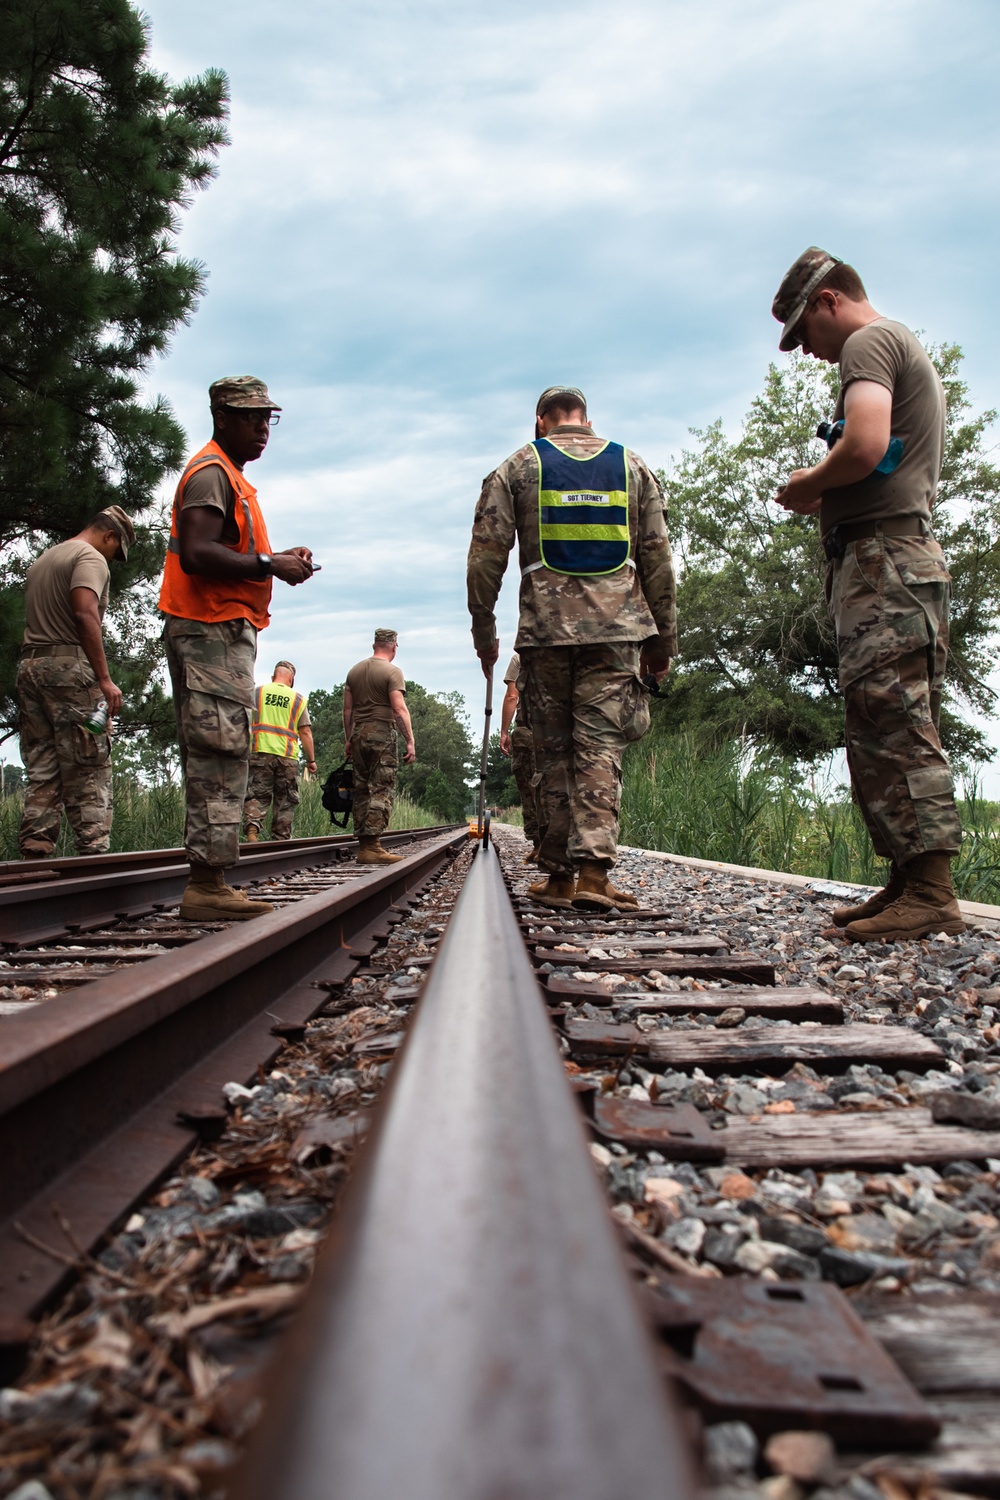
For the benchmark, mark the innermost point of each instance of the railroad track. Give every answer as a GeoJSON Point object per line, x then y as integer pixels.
{"type": "Point", "coordinates": [469, 1330]}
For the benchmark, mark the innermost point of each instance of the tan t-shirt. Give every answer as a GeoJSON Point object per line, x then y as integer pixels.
{"type": "Point", "coordinates": [371, 682]}
{"type": "Point", "coordinates": [210, 486]}
{"type": "Point", "coordinates": [513, 671]}
{"type": "Point", "coordinates": [48, 607]}
{"type": "Point", "coordinates": [888, 353]}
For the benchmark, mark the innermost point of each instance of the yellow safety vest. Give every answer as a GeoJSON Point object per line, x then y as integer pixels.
{"type": "Point", "coordinates": [276, 721]}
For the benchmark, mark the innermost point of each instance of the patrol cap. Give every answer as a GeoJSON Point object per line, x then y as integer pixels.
{"type": "Point", "coordinates": [798, 285]}
{"type": "Point", "coordinates": [386, 637]}
{"type": "Point", "coordinates": [556, 395]}
{"type": "Point", "coordinates": [247, 391]}
{"type": "Point", "coordinates": [115, 519]}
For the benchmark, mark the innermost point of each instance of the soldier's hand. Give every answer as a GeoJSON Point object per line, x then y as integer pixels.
{"type": "Point", "coordinates": [411, 753]}
{"type": "Point", "coordinates": [311, 767]}
{"type": "Point", "coordinates": [487, 657]}
{"type": "Point", "coordinates": [653, 663]}
{"type": "Point", "coordinates": [292, 567]}
{"type": "Point", "coordinates": [504, 742]}
{"type": "Point", "coordinates": [112, 696]}
{"type": "Point", "coordinates": [799, 494]}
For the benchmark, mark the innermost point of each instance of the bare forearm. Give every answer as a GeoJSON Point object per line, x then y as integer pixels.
{"type": "Point", "coordinates": [305, 735]}
{"type": "Point", "coordinates": [404, 725]}
{"type": "Point", "coordinates": [88, 628]}
{"type": "Point", "coordinates": [508, 710]}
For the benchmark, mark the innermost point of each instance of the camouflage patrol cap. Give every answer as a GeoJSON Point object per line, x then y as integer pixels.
{"type": "Point", "coordinates": [554, 396]}
{"type": "Point", "coordinates": [116, 520]}
{"type": "Point", "coordinates": [386, 637]}
{"type": "Point", "coordinates": [241, 390]}
{"type": "Point", "coordinates": [797, 287]}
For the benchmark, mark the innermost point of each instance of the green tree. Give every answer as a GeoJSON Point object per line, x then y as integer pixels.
{"type": "Point", "coordinates": [97, 155]}
{"type": "Point", "coordinates": [501, 788]}
{"type": "Point", "coordinates": [757, 652]}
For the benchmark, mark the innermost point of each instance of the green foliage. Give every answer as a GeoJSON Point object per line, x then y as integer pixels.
{"type": "Point", "coordinates": [439, 778]}
{"type": "Point", "coordinates": [501, 788]}
{"type": "Point", "coordinates": [713, 797]}
{"type": "Point", "coordinates": [757, 652]}
{"type": "Point", "coordinates": [97, 155]}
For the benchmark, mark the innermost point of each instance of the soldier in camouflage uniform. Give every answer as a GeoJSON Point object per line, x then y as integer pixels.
{"type": "Point", "coordinates": [62, 677]}
{"type": "Point", "coordinates": [516, 741]}
{"type": "Point", "coordinates": [887, 587]}
{"type": "Point", "coordinates": [597, 609]}
{"type": "Point", "coordinates": [374, 705]}
{"type": "Point", "coordinates": [215, 596]}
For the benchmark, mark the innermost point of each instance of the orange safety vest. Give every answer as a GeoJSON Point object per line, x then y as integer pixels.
{"type": "Point", "coordinates": [276, 722]}
{"type": "Point", "coordinates": [194, 597]}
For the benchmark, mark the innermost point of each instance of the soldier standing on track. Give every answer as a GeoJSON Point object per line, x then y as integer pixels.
{"type": "Point", "coordinates": [517, 742]}
{"type": "Point", "coordinates": [374, 704]}
{"type": "Point", "coordinates": [62, 677]}
{"type": "Point", "coordinates": [597, 607]}
{"type": "Point", "coordinates": [887, 585]}
{"type": "Point", "coordinates": [215, 596]}
{"type": "Point", "coordinates": [281, 720]}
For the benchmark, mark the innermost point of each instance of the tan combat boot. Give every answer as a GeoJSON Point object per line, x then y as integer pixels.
{"type": "Point", "coordinates": [594, 891]}
{"type": "Point", "coordinates": [370, 852]}
{"type": "Point", "coordinates": [531, 858]}
{"type": "Point", "coordinates": [889, 893]}
{"type": "Point", "coordinates": [927, 905]}
{"type": "Point", "coordinates": [251, 836]}
{"type": "Point", "coordinates": [554, 890]}
{"type": "Point", "coordinates": [209, 899]}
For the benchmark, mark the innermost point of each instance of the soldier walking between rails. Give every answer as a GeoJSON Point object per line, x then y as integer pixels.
{"type": "Point", "coordinates": [597, 608]}
{"type": "Point", "coordinates": [374, 705]}
{"type": "Point", "coordinates": [62, 677]}
{"type": "Point", "coordinates": [215, 595]}
{"type": "Point", "coordinates": [281, 720]}
{"type": "Point", "coordinates": [887, 586]}
{"type": "Point", "coordinates": [518, 744]}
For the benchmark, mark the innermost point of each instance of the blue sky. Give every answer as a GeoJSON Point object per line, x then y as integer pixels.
{"type": "Point", "coordinates": [430, 212]}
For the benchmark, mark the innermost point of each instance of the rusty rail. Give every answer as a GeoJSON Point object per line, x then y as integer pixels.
{"type": "Point", "coordinates": [43, 899]}
{"type": "Point", "coordinates": [470, 1331]}
{"type": "Point", "coordinates": [92, 1084]}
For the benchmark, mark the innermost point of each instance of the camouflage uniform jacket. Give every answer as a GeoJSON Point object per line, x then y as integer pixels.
{"type": "Point", "coordinates": [559, 609]}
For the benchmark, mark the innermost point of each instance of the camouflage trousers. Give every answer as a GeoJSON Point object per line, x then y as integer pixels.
{"type": "Point", "coordinates": [272, 779]}
{"type": "Point", "coordinates": [585, 703]}
{"type": "Point", "coordinates": [375, 757]}
{"type": "Point", "coordinates": [67, 766]}
{"type": "Point", "coordinates": [211, 669]}
{"type": "Point", "coordinates": [525, 772]}
{"type": "Point", "coordinates": [888, 599]}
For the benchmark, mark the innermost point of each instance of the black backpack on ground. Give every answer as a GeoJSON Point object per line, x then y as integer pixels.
{"type": "Point", "coordinates": [338, 794]}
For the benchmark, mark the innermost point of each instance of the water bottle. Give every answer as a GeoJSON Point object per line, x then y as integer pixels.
{"type": "Point", "coordinates": [832, 432]}
{"type": "Point", "coordinates": [96, 719]}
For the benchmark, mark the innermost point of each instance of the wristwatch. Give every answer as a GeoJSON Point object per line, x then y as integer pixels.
{"type": "Point", "coordinates": [265, 563]}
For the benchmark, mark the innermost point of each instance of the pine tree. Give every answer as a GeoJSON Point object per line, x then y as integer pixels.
{"type": "Point", "coordinates": [98, 153]}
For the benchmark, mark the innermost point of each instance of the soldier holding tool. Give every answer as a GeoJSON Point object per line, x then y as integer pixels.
{"type": "Point", "coordinates": [215, 596]}
{"type": "Point", "coordinates": [62, 682]}
{"type": "Point", "coordinates": [597, 608]}
{"type": "Point", "coordinates": [374, 705]}
{"type": "Point", "coordinates": [887, 585]}
{"type": "Point", "coordinates": [281, 721]}
{"type": "Point", "coordinates": [516, 741]}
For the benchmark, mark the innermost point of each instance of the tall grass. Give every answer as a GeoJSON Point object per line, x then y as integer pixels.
{"type": "Point", "coordinates": [152, 817]}
{"type": "Point", "coordinates": [686, 794]}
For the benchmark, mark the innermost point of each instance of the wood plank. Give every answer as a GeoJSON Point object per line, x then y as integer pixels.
{"type": "Point", "coordinates": [839, 1138]}
{"type": "Point", "coordinates": [783, 1003]}
{"type": "Point", "coordinates": [943, 1346]}
{"type": "Point", "coordinates": [110, 954]}
{"type": "Point", "coordinates": [965, 1458]}
{"type": "Point", "coordinates": [764, 1048]}
{"type": "Point", "coordinates": [37, 978]}
{"type": "Point", "coordinates": [745, 968]}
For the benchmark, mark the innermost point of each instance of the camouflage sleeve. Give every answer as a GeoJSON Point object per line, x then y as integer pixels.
{"type": "Point", "coordinates": [493, 533]}
{"type": "Point", "coordinates": [654, 562]}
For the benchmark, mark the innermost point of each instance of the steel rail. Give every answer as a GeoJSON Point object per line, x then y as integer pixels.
{"type": "Point", "coordinates": [470, 1331]}
{"type": "Point", "coordinates": [91, 891]}
{"type": "Point", "coordinates": [92, 1084]}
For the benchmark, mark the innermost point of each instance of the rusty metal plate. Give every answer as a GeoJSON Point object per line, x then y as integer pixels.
{"type": "Point", "coordinates": [677, 1131]}
{"type": "Point", "coordinates": [784, 1354]}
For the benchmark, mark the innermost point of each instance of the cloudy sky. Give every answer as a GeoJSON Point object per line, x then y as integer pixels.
{"type": "Point", "coordinates": [431, 211]}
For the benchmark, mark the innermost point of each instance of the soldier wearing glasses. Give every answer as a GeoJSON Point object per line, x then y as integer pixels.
{"type": "Point", "coordinates": [887, 585]}
{"type": "Point", "coordinates": [215, 595]}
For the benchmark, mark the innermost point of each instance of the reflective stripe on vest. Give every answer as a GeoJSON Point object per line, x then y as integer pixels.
{"type": "Point", "coordinates": [582, 510]}
{"type": "Point", "coordinates": [275, 730]}
{"type": "Point", "coordinates": [194, 597]}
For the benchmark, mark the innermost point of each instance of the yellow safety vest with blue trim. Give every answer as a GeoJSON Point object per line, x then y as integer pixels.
{"type": "Point", "coordinates": [582, 509]}
{"type": "Point", "coordinates": [275, 725]}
